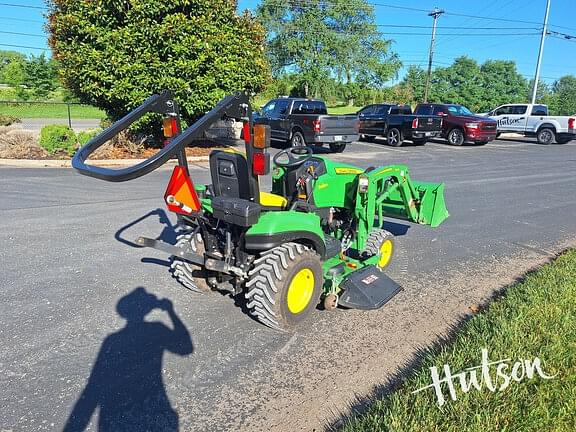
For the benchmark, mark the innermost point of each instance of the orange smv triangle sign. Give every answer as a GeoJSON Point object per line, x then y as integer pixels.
{"type": "Point", "coordinates": [180, 196]}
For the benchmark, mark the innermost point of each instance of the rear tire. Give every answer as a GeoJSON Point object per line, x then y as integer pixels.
{"type": "Point", "coordinates": [546, 136]}
{"type": "Point", "coordinates": [456, 137]}
{"type": "Point", "coordinates": [379, 242]}
{"type": "Point", "coordinates": [285, 285]}
{"type": "Point", "coordinates": [190, 275]}
{"type": "Point", "coordinates": [337, 147]}
{"type": "Point", "coordinates": [394, 137]}
{"type": "Point", "coordinates": [297, 140]}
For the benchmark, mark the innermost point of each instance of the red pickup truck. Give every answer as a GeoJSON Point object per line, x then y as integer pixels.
{"type": "Point", "coordinates": [460, 124]}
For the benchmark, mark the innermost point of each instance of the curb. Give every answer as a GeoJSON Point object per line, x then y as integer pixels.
{"type": "Point", "coordinates": [66, 163]}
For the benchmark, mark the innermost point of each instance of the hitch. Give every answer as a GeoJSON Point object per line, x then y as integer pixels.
{"type": "Point", "coordinates": [170, 249]}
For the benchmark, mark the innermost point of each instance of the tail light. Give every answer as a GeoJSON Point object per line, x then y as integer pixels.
{"type": "Point", "coordinates": [180, 196]}
{"type": "Point", "coordinates": [316, 125]}
{"type": "Point", "coordinates": [571, 122]}
{"type": "Point", "coordinates": [260, 163]}
{"type": "Point", "coordinates": [170, 126]}
{"type": "Point", "coordinates": [414, 123]}
{"type": "Point", "coordinates": [246, 132]}
{"type": "Point", "coordinates": [357, 126]}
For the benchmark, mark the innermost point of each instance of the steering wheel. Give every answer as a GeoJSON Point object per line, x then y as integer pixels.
{"type": "Point", "coordinates": [296, 156]}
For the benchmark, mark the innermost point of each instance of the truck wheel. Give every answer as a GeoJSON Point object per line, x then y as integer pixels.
{"type": "Point", "coordinates": [394, 137]}
{"type": "Point", "coordinates": [456, 137]}
{"type": "Point", "coordinates": [545, 136]}
{"type": "Point", "coordinates": [190, 275]}
{"type": "Point", "coordinates": [297, 140]}
{"type": "Point", "coordinates": [337, 147]}
{"type": "Point", "coordinates": [379, 242]}
{"type": "Point", "coordinates": [285, 286]}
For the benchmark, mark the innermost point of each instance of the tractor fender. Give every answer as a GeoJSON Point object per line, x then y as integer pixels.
{"type": "Point", "coordinates": [278, 227]}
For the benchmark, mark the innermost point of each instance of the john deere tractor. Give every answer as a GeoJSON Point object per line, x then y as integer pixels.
{"type": "Point", "coordinates": [317, 237]}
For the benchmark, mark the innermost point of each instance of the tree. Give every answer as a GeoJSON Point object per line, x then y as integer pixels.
{"type": "Point", "coordinates": [502, 84]}
{"type": "Point", "coordinates": [327, 39]}
{"type": "Point", "coordinates": [41, 75]}
{"type": "Point", "coordinates": [414, 83]}
{"type": "Point", "coordinates": [9, 60]}
{"type": "Point", "coordinates": [562, 101]}
{"type": "Point", "coordinates": [115, 54]}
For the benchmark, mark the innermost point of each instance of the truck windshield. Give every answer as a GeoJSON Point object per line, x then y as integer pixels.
{"type": "Point", "coordinates": [459, 110]}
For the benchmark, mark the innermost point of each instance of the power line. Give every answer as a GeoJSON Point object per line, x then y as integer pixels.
{"type": "Point", "coordinates": [560, 35]}
{"type": "Point", "coordinates": [21, 20]}
{"type": "Point", "coordinates": [24, 46]}
{"type": "Point", "coordinates": [22, 34]}
{"type": "Point", "coordinates": [23, 6]}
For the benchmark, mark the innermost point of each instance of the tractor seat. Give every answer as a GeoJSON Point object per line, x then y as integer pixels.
{"type": "Point", "coordinates": [272, 201]}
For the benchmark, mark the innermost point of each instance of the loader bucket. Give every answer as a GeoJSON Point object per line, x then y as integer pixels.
{"type": "Point", "coordinates": [432, 209]}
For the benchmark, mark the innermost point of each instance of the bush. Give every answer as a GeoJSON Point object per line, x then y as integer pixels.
{"type": "Point", "coordinates": [87, 135]}
{"type": "Point", "coordinates": [56, 138]}
{"type": "Point", "coordinates": [117, 54]}
{"type": "Point", "coordinates": [7, 120]}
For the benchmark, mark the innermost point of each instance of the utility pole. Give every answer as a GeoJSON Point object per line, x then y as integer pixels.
{"type": "Point", "coordinates": [436, 13]}
{"type": "Point", "coordinates": [544, 30]}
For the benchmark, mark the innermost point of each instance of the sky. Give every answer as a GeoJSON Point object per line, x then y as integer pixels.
{"type": "Point", "coordinates": [491, 29]}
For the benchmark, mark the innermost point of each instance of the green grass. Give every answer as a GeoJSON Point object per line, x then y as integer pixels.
{"type": "Point", "coordinates": [534, 318]}
{"type": "Point", "coordinates": [344, 110]}
{"type": "Point", "coordinates": [41, 110]}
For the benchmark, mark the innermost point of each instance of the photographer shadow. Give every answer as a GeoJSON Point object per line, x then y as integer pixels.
{"type": "Point", "coordinates": [126, 384]}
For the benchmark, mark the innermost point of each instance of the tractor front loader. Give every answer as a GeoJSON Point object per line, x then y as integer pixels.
{"type": "Point", "coordinates": [319, 235]}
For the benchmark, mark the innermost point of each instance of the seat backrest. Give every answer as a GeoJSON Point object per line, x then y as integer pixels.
{"type": "Point", "coordinates": [230, 176]}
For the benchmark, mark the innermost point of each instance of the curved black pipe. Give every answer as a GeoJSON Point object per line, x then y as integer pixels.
{"type": "Point", "coordinates": [235, 106]}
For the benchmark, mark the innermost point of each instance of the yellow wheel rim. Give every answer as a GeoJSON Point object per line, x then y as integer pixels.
{"type": "Point", "coordinates": [300, 290]}
{"type": "Point", "coordinates": [386, 249]}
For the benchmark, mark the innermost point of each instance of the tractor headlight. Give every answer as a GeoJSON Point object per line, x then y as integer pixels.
{"type": "Point", "coordinates": [363, 184]}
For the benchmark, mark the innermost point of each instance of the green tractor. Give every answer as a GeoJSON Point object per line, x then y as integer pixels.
{"type": "Point", "coordinates": [317, 237]}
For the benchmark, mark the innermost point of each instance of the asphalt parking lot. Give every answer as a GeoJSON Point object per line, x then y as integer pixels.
{"type": "Point", "coordinates": [68, 265]}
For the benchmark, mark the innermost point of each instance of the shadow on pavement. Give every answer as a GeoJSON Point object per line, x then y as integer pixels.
{"type": "Point", "coordinates": [126, 384]}
{"type": "Point", "coordinates": [397, 229]}
{"type": "Point", "coordinates": [168, 234]}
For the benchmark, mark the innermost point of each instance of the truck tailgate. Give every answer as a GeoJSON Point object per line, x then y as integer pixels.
{"type": "Point", "coordinates": [338, 124]}
{"type": "Point", "coordinates": [429, 123]}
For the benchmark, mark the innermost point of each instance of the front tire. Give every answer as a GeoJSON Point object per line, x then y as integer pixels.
{"type": "Point", "coordinates": [379, 243]}
{"type": "Point", "coordinates": [456, 137]}
{"type": "Point", "coordinates": [285, 285]}
{"type": "Point", "coordinates": [545, 136]}
{"type": "Point", "coordinates": [190, 275]}
{"type": "Point", "coordinates": [337, 147]}
{"type": "Point", "coordinates": [297, 140]}
{"type": "Point", "coordinates": [394, 137]}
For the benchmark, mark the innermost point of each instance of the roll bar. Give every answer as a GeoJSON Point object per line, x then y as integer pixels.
{"type": "Point", "coordinates": [235, 106]}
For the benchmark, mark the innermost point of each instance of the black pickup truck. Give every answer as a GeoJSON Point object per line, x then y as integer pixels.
{"type": "Point", "coordinates": [397, 123]}
{"type": "Point", "coordinates": [300, 122]}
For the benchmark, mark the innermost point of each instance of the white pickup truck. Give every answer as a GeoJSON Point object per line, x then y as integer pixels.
{"type": "Point", "coordinates": [533, 120]}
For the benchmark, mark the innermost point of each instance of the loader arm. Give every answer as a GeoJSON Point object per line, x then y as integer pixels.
{"type": "Point", "coordinates": [390, 192]}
